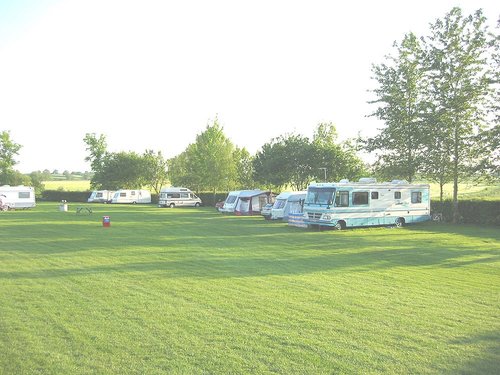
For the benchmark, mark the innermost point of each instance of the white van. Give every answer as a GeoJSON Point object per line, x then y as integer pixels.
{"type": "Point", "coordinates": [101, 196]}
{"type": "Point", "coordinates": [16, 197]}
{"type": "Point", "coordinates": [178, 196]}
{"type": "Point", "coordinates": [131, 196]}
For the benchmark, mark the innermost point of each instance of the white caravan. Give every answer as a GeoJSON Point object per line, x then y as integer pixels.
{"type": "Point", "coordinates": [101, 196]}
{"type": "Point", "coordinates": [366, 203]}
{"type": "Point", "coordinates": [246, 202]}
{"type": "Point", "coordinates": [131, 196]}
{"type": "Point", "coordinates": [178, 196]}
{"type": "Point", "coordinates": [16, 197]}
{"type": "Point", "coordinates": [287, 202]}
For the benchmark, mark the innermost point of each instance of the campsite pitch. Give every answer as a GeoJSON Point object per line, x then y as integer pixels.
{"type": "Point", "coordinates": [192, 291]}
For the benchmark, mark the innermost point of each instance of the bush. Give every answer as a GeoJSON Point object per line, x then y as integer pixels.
{"type": "Point", "coordinates": [69, 196]}
{"type": "Point", "coordinates": [209, 200]}
{"type": "Point", "coordinates": [471, 211]}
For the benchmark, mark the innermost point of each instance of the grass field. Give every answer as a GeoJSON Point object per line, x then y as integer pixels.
{"type": "Point", "coordinates": [188, 291]}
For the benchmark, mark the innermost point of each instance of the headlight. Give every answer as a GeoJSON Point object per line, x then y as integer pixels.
{"type": "Point", "coordinates": [327, 217]}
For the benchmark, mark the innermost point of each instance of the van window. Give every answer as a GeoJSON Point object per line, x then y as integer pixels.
{"type": "Point", "coordinates": [173, 195]}
{"type": "Point", "coordinates": [123, 194]}
{"type": "Point", "coordinates": [359, 198]}
{"type": "Point", "coordinates": [231, 199]}
{"type": "Point", "coordinates": [374, 194]}
{"type": "Point", "coordinates": [397, 195]}
{"type": "Point", "coordinates": [184, 195]}
{"type": "Point", "coordinates": [342, 199]}
{"type": "Point", "coordinates": [24, 194]}
{"type": "Point", "coordinates": [416, 197]}
{"type": "Point", "coordinates": [132, 192]}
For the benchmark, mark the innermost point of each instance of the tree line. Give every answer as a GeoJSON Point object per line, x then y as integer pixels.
{"type": "Point", "coordinates": [437, 96]}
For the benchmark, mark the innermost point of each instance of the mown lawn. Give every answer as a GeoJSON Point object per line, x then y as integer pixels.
{"type": "Point", "coordinates": [188, 291]}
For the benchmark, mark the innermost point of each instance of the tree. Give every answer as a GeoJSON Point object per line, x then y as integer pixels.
{"type": "Point", "coordinates": [459, 86]}
{"type": "Point", "coordinates": [244, 169]}
{"type": "Point", "coordinates": [332, 160]}
{"type": "Point", "coordinates": [121, 170]}
{"type": "Point", "coordinates": [96, 146]}
{"type": "Point", "coordinates": [8, 150]}
{"type": "Point", "coordinates": [156, 170]}
{"type": "Point", "coordinates": [401, 105]}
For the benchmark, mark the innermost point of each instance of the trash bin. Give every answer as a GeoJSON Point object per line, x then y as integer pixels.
{"type": "Point", "coordinates": [63, 207]}
{"type": "Point", "coordinates": [106, 222]}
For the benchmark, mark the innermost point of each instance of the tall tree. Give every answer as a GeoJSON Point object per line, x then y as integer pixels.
{"type": "Point", "coordinates": [121, 170]}
{"type": "Point", "coordinates": [8, 150]}
{"type": "Point", "coordinates": [401, 104]}
{"type": "Point", "coordinates": [155, 173]}
{"type": "Point", "coordinates": [97, 148]}
{"type": "Point", "coordinates": [459, 86]}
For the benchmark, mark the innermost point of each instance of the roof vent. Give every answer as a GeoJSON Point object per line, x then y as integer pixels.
{"type": "Point", "coordinates": [368, 180]}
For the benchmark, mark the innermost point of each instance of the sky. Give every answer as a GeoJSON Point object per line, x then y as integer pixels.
{"type": "Point", "coordinates": [152, 74]}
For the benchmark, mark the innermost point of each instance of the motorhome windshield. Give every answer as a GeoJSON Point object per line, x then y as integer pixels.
{"type": "Point", "coordinates": [231, 199]}
{"type": "Point", "coordinates": [320, 195]}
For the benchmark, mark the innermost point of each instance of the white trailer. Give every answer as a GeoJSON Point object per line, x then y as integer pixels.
{"type": "Point", "coordinates": [101, 196]}
{"type": "Point", "coordinates": [131, 196]}
{"type": "Point", "coordinates": [287, 202]}
{"type": "Point", "coordinates": [17, 197]}
{"type": "Point", "coordinates": [366, 203]}
{"type": "Point", "coordinates": [246, 202]}
{"type": "Point", "coordinates": [178, 196]}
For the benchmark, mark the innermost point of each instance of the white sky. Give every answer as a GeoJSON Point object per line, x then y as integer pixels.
{"type": "Point", "coordinates": [152, 74]}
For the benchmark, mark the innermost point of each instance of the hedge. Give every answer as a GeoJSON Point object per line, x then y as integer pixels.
{"type": "Point", "coordinates": [471, 211]}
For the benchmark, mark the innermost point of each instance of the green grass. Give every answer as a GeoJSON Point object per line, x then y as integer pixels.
{"type": "Point", "coordinates": [188, 291]}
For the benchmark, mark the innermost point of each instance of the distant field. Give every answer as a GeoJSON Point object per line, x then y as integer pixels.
{"type": "Point", "coordinates": [71, 185]}
{"type": "Point", "coordinates": [190, 291]}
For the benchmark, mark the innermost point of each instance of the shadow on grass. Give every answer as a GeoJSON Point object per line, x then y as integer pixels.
{"type": "Point", "coordinates": [213, 266]}
{"type": "Point", "coordinates": [489, 360]}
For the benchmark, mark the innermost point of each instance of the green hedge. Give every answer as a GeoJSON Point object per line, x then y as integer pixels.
{"type": "Point", "coordinates": [471, 211]}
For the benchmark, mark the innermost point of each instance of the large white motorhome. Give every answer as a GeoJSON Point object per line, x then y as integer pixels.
{"type": "Point", "coordinates": [16, 197]}
{"type": "Point", "coordinates": [287, 202]}
{"type": "Point", "coordinates": [131, 196]}
{"type": "Point", "coordinates": [101, 196]}
{"type": "Point", "coordinates": [366, 203]}
{"type": "Point", "coordinates": [178, 196]}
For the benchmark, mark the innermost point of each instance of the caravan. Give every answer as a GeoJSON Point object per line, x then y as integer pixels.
{"type": "Point", "coordinates": [16, 197]}
{"type": "Point", "coordinates": [131, 196]}
{"type": "Point", "coordinates": [178, 196]}
{"type": "Point", "coordinates": [287, 202]}
{"type": "Point", "coordinates": [366, 203]}
{"type": "Point", "coordinates": [246, 202]}
{"type": "Point", "coordinates": [101, 196]}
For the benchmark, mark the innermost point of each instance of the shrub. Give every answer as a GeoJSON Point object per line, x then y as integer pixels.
{"type": "Point", "coordinates": [471, 211]}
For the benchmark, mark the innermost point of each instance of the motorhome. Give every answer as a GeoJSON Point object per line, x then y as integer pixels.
{"type": "Point", "coordinates": [101, 196]}
{"type": "Point", "coordinates": [366, 203]}
{"type": "Point", "coordinates": [131, 196]}
{"type": "Point", "coordinates": [246, 202]}
{"type": "Point", "coordinates": [178, 196]}
{"type": "Point", "coordinates": [17, 197]}
{"type": "Point", "coordinates": [287, 202]}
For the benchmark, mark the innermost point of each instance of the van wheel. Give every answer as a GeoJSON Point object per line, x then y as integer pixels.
{"type": "Point", "coordinates": [400, 222]}
{"type": "Point", "coordinates": [340, 225]}
{"type": "Point", "coordinates": [171, 205]}
{"type": "Point", "coordinates": [197, 204]}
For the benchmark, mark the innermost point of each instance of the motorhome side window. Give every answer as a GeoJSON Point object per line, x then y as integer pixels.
{"type": "Point", "coordinates": [123, 194]}
{"type": "Point", "coordinates": [374, 194]}
{"type": "Point", "coordinates": [132, 193]}
{"type": "Point", "coordinates": [342, 199]}
{"type": "Point", "coordinates": [359, 198]}
{"type": "Point", "coordinates": [184, 195]}
{"type": "Point", "coordinates": [397, 195]}
{"type": "Point", "coordinates": [416, 197]}
{"type": "Point", "coordinates": [173, 195]}
{"type": "Point", "coordinates": [24, 194]}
